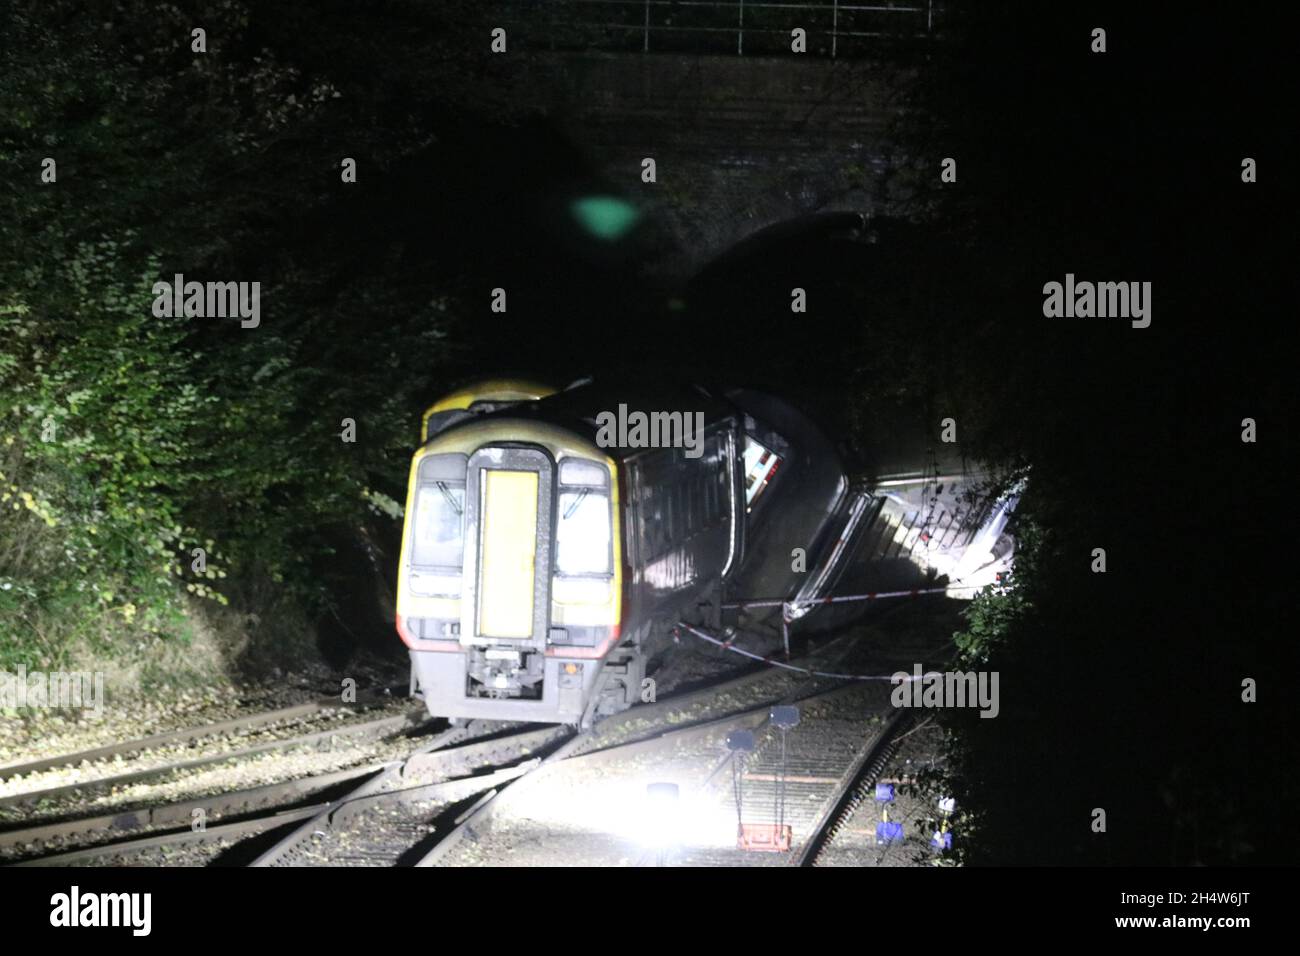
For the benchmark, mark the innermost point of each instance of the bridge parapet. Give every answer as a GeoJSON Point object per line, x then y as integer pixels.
{"type": "Point", "coordinates": [739, 143]}
{"type": "Point", "coordinates": [832, 28]}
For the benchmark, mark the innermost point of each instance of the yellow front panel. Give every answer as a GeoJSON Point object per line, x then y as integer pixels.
{"type": "Point", "coordinates": [505, 592]}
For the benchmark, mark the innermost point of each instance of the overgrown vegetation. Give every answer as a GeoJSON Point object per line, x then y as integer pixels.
{"type": "Point", "coordinates": [129, 441]}
{"type": "Point", "coordinates": [100, 416]}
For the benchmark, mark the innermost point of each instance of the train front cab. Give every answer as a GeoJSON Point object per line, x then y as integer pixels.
{"type": "Point", "coordinates": [502, 623]}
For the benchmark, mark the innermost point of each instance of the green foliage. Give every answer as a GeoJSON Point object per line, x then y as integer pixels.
{"type": "Point", "coordinates": [127, 440]}
{"type": "Point", "coordinates": [995, 611]}
{"type": "Point", "coordinates": [98, 415]}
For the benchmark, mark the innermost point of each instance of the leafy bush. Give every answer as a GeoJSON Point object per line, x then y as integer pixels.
{"type": "Point", "coordinates": [127, 441]}
{"type": "Point", "coordinates": [99, 412]}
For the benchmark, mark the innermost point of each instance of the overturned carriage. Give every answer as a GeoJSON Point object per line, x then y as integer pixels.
{"type": "Point", "coordinates": [546, 555]}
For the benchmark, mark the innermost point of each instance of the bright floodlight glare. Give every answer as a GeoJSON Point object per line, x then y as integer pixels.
{"type": "Point", "coordinates": [605, 217]}
{"type": "Point", "coordinates": [662, 817]}
{"type": "Point", "coordinates": [624, 808]}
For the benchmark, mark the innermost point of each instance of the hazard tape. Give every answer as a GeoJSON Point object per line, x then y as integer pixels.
{"type": "Point", "coordinates": [873, 596]}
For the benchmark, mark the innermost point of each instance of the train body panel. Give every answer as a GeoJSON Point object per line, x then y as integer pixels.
{"type": "Point", "coordinates": [798, 502]}
{"type": "Point", "coordinates": [553, 538]}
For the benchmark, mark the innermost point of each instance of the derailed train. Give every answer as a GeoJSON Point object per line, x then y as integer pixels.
{"type": "Point", "coordinates": [540, 570]}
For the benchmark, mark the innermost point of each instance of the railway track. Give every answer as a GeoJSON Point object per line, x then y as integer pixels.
{"type": "Point", "coordinates": [423, 826]}
{"type": "Point", "coordinates": [249, 811]}
{"type": "Point", "coordinates": [851, 837]}
{"type": "Point", "coordinates": [395, 804]}
{"type": "Point", "coordinates": [254, 810]}
{"type": "Point", "coordinates": [372, 729]}
{"type": "Point", "coordinates": [849, 723]}
{"type": "Point", "coordinates": [597, 745]}
{"type": "Point", "coordinates": [851, 790]}
{"type": "Point", "coordinates": [189, 736]}
{"type": "Point", "coordinates": [404, 826]}
{"type": "Point", "coordinates": [414, 810]}
{"type": "Point", "coordinates": [571, 754]}
{"type": "Point", "coordinates": [53, 837]}
{"type": "Point", "coordinates": [435, 774]}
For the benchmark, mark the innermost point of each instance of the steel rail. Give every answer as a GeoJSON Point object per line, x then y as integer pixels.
{"type": "Point", "coordinates": [377, 727]}
{"type": "Point", "coordinates": [182, 812]}
{"type": "Point", "coordinates": [850, 792]}
{"type": "Point", "coordinates": [188, 735]}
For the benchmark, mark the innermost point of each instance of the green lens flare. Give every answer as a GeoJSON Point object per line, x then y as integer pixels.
{"type": "Point", "coordinates": [605, 217]}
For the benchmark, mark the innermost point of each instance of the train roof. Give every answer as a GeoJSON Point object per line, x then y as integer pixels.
{"type": "Point", "coordinates": [770, 419]}
{"type": "Point", "coordinates": [576, 408]}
